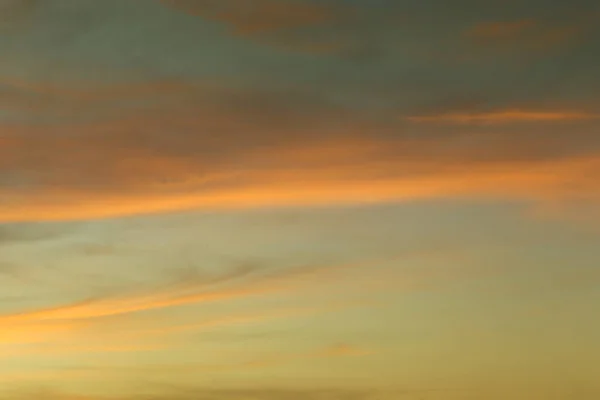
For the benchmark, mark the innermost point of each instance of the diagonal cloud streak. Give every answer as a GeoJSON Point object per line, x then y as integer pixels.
{"type": "Point", "coordinates": [181, 293]}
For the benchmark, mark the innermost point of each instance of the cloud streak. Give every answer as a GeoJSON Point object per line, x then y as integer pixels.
{"type": "Point", "coordinates": [284, 149]}
{"type": "Point", "coordinates": [257, 16]}
{"type": "Point", "coordinates": [181, 293]}
{"type": "Point", "coordinates": [526, 34]}
{"type": "Point", "coordinates": [506, 117]}
{"type": "Point", "coordinates": [292, 25]}
{"type": "Point", "coordinates": [123, 325]}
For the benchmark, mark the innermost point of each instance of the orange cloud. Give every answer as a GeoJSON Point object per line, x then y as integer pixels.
{"type": "Point", "coordinates": [502, 30]}
{"type": "Point", "coordinates": [526, 34]}
{"type": "Point", "coordinates": [505, 117]}
{"type": "Point", "coordinates": [257, 16]}
{"type": "Point", "coordinates": [213, 148]}
{"type": "Point", "coordinates": [287, 24]}
{"type": "Point", "coordinates": [34, 332]}
{"type": "Point", "coordinates": [355, 179]}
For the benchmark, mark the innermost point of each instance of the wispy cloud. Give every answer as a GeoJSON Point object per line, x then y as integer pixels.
{"type": "Point", "coordinates": [287, 149]}
{"type": "Point", "coordinates": [502, 30]}
{"type": "Point", "coordinates": [181, 293]}
{"type": "Point", "coordinates": [295, 25]}
{"type": "Point", "coordinates": [506, 117]}
{"type": "Point", "coordinates": [14, 334]}
{"type": "Point", "coordinates": [255, 17]}
{"type": "Point", "coordinates": [86, 326]}
{"type": "Point", "coordinates": [234, 321]}
{"type": "Point", "coordinates": [118, 325]}
{"type": "Point", "coordinates": [528, 35]}
{"type": "Point", "coordinates": [340, 183]}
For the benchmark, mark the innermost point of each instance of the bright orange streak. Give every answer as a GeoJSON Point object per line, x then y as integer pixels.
{"type": "Point", "coordinates": [525, 181]}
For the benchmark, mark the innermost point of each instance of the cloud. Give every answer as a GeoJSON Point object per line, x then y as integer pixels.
{"type": "Point", "coordinates": [217, 324]}
{"type": "Point", "coordinates": [39, 332]}
{"type": "Point", "coordinates": [33, 102]}
{"type": "Point", "coordinates": [502, 30]}
{"type": "Point", "coordinates": [189, 291]}
{"type": "Point", "coordinates": [248, 17]}
{"type": "Point", "coordinates": [243, 147]}
{"type": "Point", "coordinates": [529, 35]}
{"type": "Point", "coordinates": [125, 181]}
{"type": "Point", "coordinates": [506, 117]}
{"type": "Point", "coordinates": [120, 317]}
{"type": "Point", "coordinates": [297, 25]}
{"type": "Point", "coordinates": [114, 323]}
{"type": "Point", "coordinates": [311, 175]}
{"type": "Point", "coordinates": [117, 318]}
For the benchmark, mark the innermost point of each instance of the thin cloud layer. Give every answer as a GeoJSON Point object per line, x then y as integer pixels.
{"type": "Point", "coordinates": [527, 34]}
{"type": "Point", "coordinates": [249, 148]}
{"type": "Point", "coordinates": [129, 311]}
{"type": "Point", "coordinates": [188, 292]}
{"type": "Point", "coordinates": [292, 25]}
{"type": "Point", "coordinates": [506, 117]}
{"type": "Point", "coordinates": [253, 126]}
{"type": "Point", "coordinates": [255, 17]}
{"type": "Point", "coordinates": [124, 130]}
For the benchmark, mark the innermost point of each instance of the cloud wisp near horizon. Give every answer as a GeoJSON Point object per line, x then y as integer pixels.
{"type": "Point", "coordinates": [299, 199]}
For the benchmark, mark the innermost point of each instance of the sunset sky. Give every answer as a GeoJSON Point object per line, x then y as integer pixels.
{"type": "Point", "coordinates": [299, 199]}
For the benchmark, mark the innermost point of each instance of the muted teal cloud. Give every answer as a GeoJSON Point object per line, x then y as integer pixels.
{"type": "Point", "coordinates": [414, 54]}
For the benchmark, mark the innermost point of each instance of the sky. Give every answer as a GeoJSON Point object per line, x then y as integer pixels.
{"type": "Point", "coordinates": [299, 199]}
